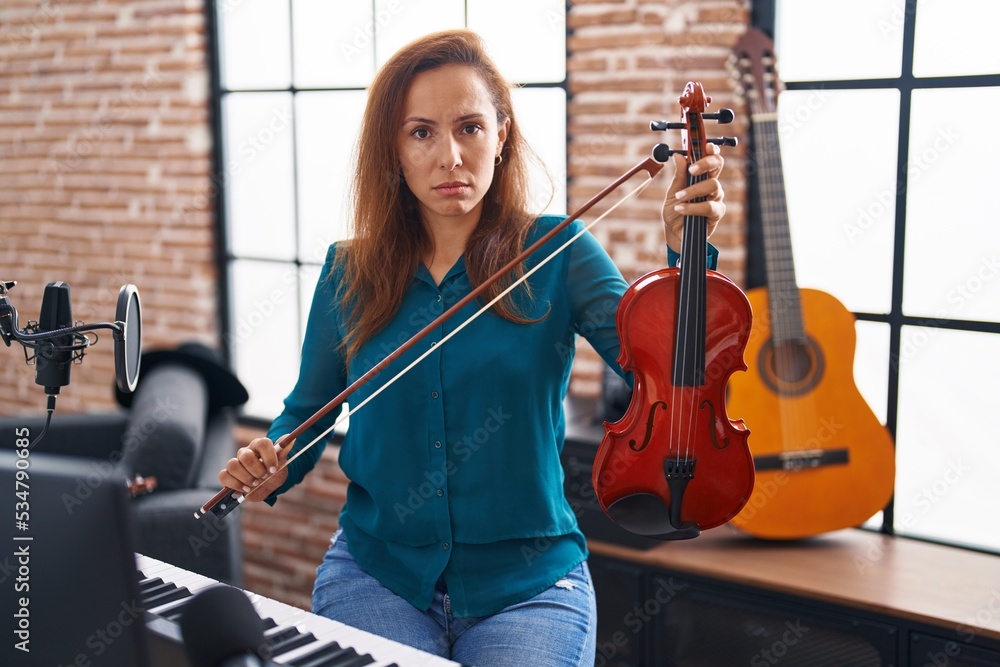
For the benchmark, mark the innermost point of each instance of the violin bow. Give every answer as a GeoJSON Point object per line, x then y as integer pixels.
{"type": "Point", "coordinates": [226, 500]}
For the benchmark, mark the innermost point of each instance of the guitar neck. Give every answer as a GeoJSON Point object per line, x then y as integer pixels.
{"type": "Point", "coordinates": [783, 292]}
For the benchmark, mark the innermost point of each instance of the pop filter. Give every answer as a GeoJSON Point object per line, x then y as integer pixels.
{"type": "Point", "coordinates": [128, 340]}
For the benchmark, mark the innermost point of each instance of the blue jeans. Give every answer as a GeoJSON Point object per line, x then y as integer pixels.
{"type": "Point", "coordinates": [556, 628]}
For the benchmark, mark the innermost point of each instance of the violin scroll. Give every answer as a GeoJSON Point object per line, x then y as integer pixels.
{"type": "Point", "coordinates": [662, 152]}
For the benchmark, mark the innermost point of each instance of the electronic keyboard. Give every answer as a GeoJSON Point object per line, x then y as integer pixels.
{"type": "Point", "coordinates": [296, 637]}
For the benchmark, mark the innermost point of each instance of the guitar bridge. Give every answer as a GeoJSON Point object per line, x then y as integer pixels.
{"type": "Point", "coordinates": [803, 459]}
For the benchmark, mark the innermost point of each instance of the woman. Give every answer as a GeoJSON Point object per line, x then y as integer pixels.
{"type": "Point", "coordinates": [456, 537]}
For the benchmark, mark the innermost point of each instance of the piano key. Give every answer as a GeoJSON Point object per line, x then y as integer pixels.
{"type": "Point", "coordinates": [287, 639]}
{"type": "Point", "coordinates": [191, 582]}
{"type": "Point", "coordinates": [330, 655]}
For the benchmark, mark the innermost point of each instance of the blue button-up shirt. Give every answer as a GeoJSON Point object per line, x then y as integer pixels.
{"type": "Point", "coordinates": [454, 469]}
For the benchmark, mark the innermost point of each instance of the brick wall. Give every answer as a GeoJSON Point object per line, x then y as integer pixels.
{"type": "Point", "coordinates": [104, 140]}
{"type": "Point", "coordinates": [104, 170]}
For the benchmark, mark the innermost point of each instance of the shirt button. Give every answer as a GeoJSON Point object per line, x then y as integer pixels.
{"type": "Point", "coordinates": [437, 443]}
{"type": "Point", "coordinates": [440, 492]}
{"type": "Point", "coordinates": [445, 546]}
{"type": "Point", "coordinates": [434, 394]}
{"type": "Point", "coordinates": [439, 298]}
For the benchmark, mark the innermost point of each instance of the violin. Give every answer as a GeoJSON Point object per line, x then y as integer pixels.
{"type": "Point", "coordinates": [675, 464]}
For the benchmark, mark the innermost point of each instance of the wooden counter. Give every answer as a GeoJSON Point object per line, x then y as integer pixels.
{"type": "Point", "coordinates": [942, 586]}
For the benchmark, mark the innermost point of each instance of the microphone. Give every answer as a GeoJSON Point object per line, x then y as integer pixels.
{"type": "Point", "coordinates": [57, 342]}
{"type": "Point", "coordinates": [221, 629]}
{"type": "Point", "coordinates": [54, 357]}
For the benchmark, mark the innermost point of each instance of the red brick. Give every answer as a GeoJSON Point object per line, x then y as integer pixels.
{"type": "Point", "coordinates": [604, 17]}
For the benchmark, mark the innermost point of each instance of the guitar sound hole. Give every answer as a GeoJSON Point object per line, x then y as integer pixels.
{"type": "Point", "coordinates": [791, 362]}
{"type": "Point", "coordinates": [791, 368]}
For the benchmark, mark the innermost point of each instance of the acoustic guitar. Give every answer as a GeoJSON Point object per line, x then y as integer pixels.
{"type": "Point", "coordinates": [823, 460]}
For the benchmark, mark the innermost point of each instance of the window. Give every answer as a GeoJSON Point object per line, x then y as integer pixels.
{"type": "Point", "coordinates": [292, 79]}
{"type": "Point", "coordinates": [892, 198]}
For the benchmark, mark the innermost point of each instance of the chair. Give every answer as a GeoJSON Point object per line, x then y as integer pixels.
{"type": "Point", "coordinates": [177, 427]}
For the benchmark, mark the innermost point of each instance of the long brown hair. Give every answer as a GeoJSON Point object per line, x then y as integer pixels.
{"type": "Point", "coordinates": [389, 239]}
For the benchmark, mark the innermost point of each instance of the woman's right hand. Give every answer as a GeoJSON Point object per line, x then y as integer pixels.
{"type": "Point", "coordinates": [246, 472]}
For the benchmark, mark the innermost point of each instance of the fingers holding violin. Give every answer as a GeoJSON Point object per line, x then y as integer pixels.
{"type": "Point", "coordinates": [710, 191]}
{"type": "Point", "coordinates": [711, 163]}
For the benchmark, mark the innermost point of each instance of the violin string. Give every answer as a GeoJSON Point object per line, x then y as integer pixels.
{"type": "Point", "coordinates": [434, 347]}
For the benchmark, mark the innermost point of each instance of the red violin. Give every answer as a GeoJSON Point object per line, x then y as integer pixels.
{"type": "Point", "coordinates": [675, 464]}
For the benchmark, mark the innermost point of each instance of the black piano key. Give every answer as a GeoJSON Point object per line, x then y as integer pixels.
{"type": "Point", "coordinates": [157, 589]}
{"type": "Point", "coordinates": [155, 585]}
{"type": "Point", "coordinates": [163, 598]}
{"type": "Point", "coordinates": [289, 642]}
{"type": "Point", "coordinates": [322, 656]}
{"type": "Point", "coordinates": [333, 655]}
{"type": "Point", "coordinates": [268, 623]}
{"type": "Point", "coordinates": [357, 661]}
{"type": "Point", "coordinates": [148, 596]}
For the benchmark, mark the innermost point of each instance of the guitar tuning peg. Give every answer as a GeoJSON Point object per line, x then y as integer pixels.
{"type": "Point", "coordinates": [723, 116]}
{"type": "Point", "coordinates": [724, 141]}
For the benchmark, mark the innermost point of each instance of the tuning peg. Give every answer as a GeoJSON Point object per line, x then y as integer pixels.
{"type": "Point", "coordinates": [662, 152]}
{"type": "Point", "coordinates": [660, 125]}
{"type": "Point", "coordinates": [724, 141]}
{"type": "Point", "coordinates": [723, 116]}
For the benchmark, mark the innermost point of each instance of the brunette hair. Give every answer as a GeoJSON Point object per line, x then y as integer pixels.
{"type": "Point", "coordinates": [389, 238]}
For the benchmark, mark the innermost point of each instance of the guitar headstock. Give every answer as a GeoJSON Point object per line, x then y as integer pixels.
{"type": "Point", "coordinates": [754, 66]}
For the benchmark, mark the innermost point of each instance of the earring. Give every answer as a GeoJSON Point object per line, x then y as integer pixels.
{"type": "Point", "coordinates": [496, 163]}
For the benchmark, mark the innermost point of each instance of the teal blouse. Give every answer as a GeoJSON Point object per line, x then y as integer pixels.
{"type": "Point", "coordinates": [454, 469]}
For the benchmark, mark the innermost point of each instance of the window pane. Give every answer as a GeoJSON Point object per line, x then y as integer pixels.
{"type": "Point", "coordinates": [850, 39]}
{"type": "Point", "coordinates": [327, 126]}
{"type": "Point", "coordinates": [334, 44]}
{"type": "Point", "coordinates": [946, 485]}
{"type": "Point", "coordinates": [255, 44]}
{"type": "Point", "coordinates": [950, 42]}
{"type": "Point", "coordinates": [398, 22]}
{"type": "Point", "coordinates": [541, 113]}
{"type": "Point", "coordinates": [264, 333]}
{"type": "Point", "coordinates": [871, 365]}
{"type": "Point", "coordinates": [509, 27]}
{"type": "Point", "coordinates": [952, 239]}
{"type": "Point", "coordinates": [258, 146]}
{"type": "Point", "coordinates": [841, 202]}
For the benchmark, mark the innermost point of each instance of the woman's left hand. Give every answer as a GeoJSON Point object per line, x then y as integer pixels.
{"type": "Point", "coordinates": [678, 201]}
